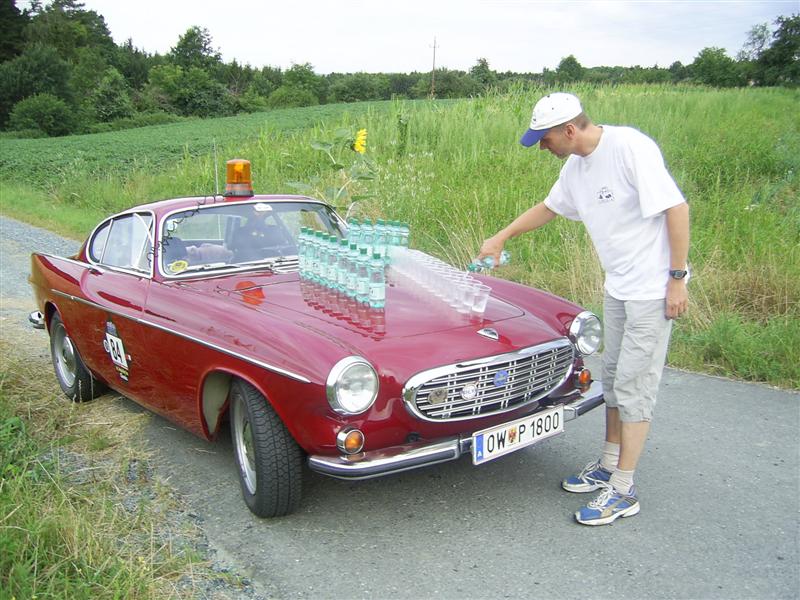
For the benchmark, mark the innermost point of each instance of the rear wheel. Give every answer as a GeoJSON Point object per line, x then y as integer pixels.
{"type": "Point", "coordinates": [270, 461]}
{"type": "Point", "coordinates": [73, 376]}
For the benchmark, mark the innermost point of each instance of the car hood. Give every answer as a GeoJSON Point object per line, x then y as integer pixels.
{"type": "Point", "coordinates": [409, 311]}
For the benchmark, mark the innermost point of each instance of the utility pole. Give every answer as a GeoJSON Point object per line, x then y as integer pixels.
{"type": "Point", "coordinates": [433, 71]}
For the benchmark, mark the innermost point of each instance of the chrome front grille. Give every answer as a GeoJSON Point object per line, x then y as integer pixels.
{"type": "Point", "coordinates": [489, 385]}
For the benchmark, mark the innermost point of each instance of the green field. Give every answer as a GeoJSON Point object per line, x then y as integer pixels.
{"type": "Point", "coordinates": [455, 172]}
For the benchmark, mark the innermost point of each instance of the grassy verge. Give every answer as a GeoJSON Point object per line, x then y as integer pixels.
{"type": "Point", "coordinates": [74, 520]}
{"type": "Point", "coordinates": [456, 172]}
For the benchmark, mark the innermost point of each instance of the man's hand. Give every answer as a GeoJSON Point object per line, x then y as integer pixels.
{"type": "Point", "coordinates": [492, 247]}
{"type": "Point", "coordinates": [677, 298]}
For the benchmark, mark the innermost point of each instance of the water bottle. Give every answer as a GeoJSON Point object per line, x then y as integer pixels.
{"type": "Point", "coordinates": [362, 277]}
{"type": "Point", "coordinates": [488, 262]}
{"type": "Point", "coordinates": [333, 261]}
{"type": "Point", "coordinates": [405, 231]}
{"type": "Point", "coordinates": [354, 231]}
{"type": "Point", "coordinates": [352, 270]}
{"type": "Point", "coordinates": [342, 265]}
{"type": "Point", "coordinates": [302, 249]}
{"type": "Point", "coordinates": [367, 236]}
{"type": "Point", "coordinates": [377, 282]}
{"type": "Point", "coordinates": [313, 256]}
{"type": "Point", "coordinates": [380, 239]}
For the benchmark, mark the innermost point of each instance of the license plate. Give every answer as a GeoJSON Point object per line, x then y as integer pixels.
{"type": "Point", "coordinates": [497, 441]}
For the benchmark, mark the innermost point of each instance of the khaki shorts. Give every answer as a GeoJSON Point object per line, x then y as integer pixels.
{"type": "Point", "coordinates": [636, 339]}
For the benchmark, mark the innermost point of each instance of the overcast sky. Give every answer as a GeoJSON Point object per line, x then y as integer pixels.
{"type": "Point", "coordinates": [397, 36]}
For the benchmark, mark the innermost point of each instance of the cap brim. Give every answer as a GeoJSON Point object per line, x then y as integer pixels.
{"type": "Point", "coordinates": [532, 136]}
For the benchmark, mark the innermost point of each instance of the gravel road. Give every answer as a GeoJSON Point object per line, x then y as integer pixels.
{"type": "Point", "coordinates": [719, 485]}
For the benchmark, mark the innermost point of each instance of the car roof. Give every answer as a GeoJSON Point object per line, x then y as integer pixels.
{"type": "Point", "coordinates": [161, 207]}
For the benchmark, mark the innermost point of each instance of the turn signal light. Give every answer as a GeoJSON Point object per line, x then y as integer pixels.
{"type": "Point", "coordinates": [238, 182]}
{"type": "Point", "coordinates": [350, 441]}
{"type": "Point", "coordinates": [583, 379]}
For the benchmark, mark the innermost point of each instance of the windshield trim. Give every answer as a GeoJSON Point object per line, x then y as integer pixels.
{"type": "Point", "coordinates": [233, 268]}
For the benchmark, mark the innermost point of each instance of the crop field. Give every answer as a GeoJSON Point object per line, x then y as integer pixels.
{"type": "Point", "coordinates": [455, 172]}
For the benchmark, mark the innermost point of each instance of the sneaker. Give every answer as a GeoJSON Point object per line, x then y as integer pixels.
{"type": "Point", "coordinates": [608, 506]}
{"type": "Point", "coordinates": [592, 478]}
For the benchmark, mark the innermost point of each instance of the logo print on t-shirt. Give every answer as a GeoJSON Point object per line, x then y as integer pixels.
{"type": "Point", "coordinates": [605, 195]}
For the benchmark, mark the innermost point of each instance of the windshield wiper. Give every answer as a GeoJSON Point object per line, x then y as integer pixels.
{"type": "Point", "coordinates": [266, 262]}
{"type": "Point", "coordinates": [208, 267]}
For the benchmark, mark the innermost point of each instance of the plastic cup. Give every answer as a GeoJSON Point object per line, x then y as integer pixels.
{"type": "Point", "coordinates": [466, 297]}
{"type": "Point", "coordinates": [480, 298]}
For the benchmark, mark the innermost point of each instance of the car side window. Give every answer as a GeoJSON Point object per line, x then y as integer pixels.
{"type": "Point", "coordinates": [130, 243]}
{"type": "Point", "coordinates": [98, 244]}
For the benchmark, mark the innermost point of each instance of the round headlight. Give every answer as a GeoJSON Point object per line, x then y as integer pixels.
{"type": "Point", "coordinates": [352, 386]}
{"type": "Point", "coordinates": [586, 333]}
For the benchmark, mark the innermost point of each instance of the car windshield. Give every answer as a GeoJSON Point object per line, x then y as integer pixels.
{"type": "Point", "coordinates": [225, 236]}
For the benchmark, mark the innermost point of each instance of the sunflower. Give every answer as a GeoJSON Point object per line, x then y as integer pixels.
{"type": "Point", "coordinates": [360, 143]}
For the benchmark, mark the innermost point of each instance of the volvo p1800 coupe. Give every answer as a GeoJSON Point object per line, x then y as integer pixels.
{"type": "Point", "coordinates": [195, 308]}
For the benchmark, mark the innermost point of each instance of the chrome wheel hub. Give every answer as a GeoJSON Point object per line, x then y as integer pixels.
{"type": "Point", "coordinates": [64, 356]}
{"type": "Point", "coordinates": [243, 442]}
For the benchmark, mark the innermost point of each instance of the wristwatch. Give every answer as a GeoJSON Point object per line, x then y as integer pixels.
{"type": "Point", "coordinates": [678, 273]}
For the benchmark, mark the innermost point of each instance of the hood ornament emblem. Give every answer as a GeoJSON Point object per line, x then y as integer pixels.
{"type": "Point", "coordinates": [490, 333]}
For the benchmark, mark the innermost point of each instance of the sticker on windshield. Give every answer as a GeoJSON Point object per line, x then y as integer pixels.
{"type": "Point", "coordinates": [114, 347]}
{"type": "Point", "coordinates": [178, 266]}
{"type": "Point", "coordinates": [262, 207]}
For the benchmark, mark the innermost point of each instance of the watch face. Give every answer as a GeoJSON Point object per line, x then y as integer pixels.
{"type": "Point", "coordinates": [678, 274]}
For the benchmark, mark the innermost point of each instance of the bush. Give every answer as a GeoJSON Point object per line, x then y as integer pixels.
{"type": "Point", "coordinates": [110, 99]}
{"type": "Point", "coordinates": [290, 97]}
{"type": "Point", "coordinates": [139, 120]}
{"type": "Point", "coordinates": [44, 112]}
{"type": "Point", "coordinates": [22, 134]}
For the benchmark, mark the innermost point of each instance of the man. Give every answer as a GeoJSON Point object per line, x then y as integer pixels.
{"type": "Point", "coordinates": [615, 181]}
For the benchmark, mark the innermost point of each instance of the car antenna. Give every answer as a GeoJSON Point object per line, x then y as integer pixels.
{"type": "Point", "coordinates": [216, 168]}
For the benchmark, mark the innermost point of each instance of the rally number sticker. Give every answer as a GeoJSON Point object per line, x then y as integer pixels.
{"type": "Point", "coordinates": [113, 345]}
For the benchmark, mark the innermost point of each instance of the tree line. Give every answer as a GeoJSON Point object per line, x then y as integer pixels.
{"type": "Point", "coordinates": [62, 73]}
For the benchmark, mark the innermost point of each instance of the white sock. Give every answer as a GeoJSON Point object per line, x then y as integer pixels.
{"type": "Point", "coordinates": [610, 457]}
{"type": "Point", "coordinates": [622, 481]}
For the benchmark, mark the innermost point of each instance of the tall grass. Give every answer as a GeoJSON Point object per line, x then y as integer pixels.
{"type": "Point", "coordinates": [63, 530]}
{"type": "Point", "coordinates": [456, 172]}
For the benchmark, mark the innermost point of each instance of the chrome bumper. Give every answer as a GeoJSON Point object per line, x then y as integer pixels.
{"type": "Point", "coordinates": [36, 319]}
{"type": "Point", "coordinates": [421, 454]}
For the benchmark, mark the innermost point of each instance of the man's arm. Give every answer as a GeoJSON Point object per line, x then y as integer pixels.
{"type": "Point", "coordinates": [678, 233]}
{"type": "Point", "coordinates": [531, 219]}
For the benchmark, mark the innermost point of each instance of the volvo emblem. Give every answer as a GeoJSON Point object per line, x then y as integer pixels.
{"type": "Point", "coordinates": [469, 391]}
{"type": "Point", "coordinates": [500, 378]}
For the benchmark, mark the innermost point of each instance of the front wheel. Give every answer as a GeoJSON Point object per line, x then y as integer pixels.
{"type": "Point", "coordinates": [73, 376]}
{"type": "Point", "coordinates": [270, 461]}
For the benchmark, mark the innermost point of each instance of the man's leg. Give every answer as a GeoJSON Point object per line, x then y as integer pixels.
{"type": "Point", "coordinates": [597, 473]}
{"type": "Point", "coordinates": [637, 373]}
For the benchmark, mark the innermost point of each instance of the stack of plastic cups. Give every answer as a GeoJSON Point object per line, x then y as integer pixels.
{"type": "Point", "coordinates": [436, 278]}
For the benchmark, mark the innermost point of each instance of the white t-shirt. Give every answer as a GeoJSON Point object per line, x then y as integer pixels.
{"type": "Point", "coordinates": [620, 191]}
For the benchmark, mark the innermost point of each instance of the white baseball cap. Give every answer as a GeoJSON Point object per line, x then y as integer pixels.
{"type": "Point", "coordinates": [554, 109]}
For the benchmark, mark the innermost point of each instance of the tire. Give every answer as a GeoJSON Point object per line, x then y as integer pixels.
{"type": "Point", "coordinates": [74, 378]}
{"type": "Point", "coordinates": [269, 461]}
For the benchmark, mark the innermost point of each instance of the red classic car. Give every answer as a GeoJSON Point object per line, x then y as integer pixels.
{"type": "Point", "coordinates": [181, 307]}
